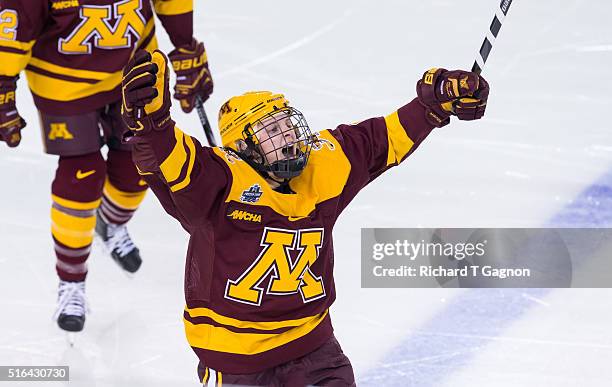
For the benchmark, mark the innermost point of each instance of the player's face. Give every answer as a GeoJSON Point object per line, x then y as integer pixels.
{"type": "Point", "coordinates": [277, 137]}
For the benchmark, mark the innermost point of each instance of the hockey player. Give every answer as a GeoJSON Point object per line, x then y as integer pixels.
{"type": "Point", "coordinates": [260, 213]}
{"type": "Point", "coordinates": [73, 53]}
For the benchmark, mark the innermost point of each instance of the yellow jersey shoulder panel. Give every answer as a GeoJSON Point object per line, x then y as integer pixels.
{"type": "Point", "coordinates": [323, 178]}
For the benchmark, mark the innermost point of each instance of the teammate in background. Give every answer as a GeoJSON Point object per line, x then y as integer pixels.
{"type": "Point", "coordinates": [73, 53]}
{"type": "Point", "coordinates": [260, 213]}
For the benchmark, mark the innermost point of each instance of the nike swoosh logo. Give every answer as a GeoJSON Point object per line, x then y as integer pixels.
{"type": "Point", "coordinates": [142, 183]}
{"type": "Point", "coordinates": [81, 175]}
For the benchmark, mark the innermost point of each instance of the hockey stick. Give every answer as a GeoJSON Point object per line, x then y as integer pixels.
{"type": "Point", "coordinates": [210, 137]}
{"type": "Point", "coordinates": [487, 45]}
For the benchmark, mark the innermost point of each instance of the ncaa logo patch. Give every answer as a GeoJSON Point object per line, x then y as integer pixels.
{"type": "Point", "coordinates": [252, 194]}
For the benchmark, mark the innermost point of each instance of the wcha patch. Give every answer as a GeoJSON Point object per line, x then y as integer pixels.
{"type": "Point", "coordinates": [252, 194]}
{"type": "Point", "coordinates": [244, 215]}
{"type": "Point", "coordinates": [64, 4]}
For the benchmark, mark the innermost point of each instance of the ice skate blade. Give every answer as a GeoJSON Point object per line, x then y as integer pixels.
{"type": "Point", "coordinates": [71, 338]}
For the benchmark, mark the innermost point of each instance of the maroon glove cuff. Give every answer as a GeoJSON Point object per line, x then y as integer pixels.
{"type": "Point", "coordinates": [11, 122]}
{"type": "Point", "coordinates": [189, 58]}
{"type": "Point", "coordinates": [191, 46]}
{"type": "Point", "coordinates": [8, 85]}
{"type": "Point", "coordinates": [436, 116]}
{"type": "Point", "coordinates": [426, 92]}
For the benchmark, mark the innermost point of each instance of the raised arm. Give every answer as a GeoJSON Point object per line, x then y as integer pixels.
{"type": "Point", "coordinates": [189, 58]}
{"type": "Point", "coordinates": [377, 144]}
{"type": "Point", "coordinates": [20, 24]}
{"type": "Point", "coordinates": [177, 18]}
{"type": "Point", "coordinates": [188, 179]}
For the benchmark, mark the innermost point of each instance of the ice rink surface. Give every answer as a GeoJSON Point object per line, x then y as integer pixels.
{"type": "Point", "coordinates": [542, 156]}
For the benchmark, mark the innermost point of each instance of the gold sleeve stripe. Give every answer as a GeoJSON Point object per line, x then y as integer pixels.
{"type": "Point", "coordinates": [76, 205]}
{"type": "Point", "coordinates": [173, 7]}
{"type": "Point", "coordinates": [398, 140]}
{"type": "Point", "coordinates": [187, 180]}
{"type": "Point", "coordinates": [23, 46]}
{"type": "Point", "coordinates": [261, 325]}
{"type": "Point", "coordinates": [148, 28]}
{"type": "Point", "coordinates": [53, 68]}
{"type": "Point", "coordinates": [122, 199]}
{"type": "Point", "coordinates": [180, 156]}
{"type": "Point", "coordinates": [173, 164]}
{"type": "Point", "coordinates": [60, 90]}
{"type": "Point", "coordinates": [220, 339]}
{"type": "Point", "coordinates": [148, 40]}
{"type": "Point", "coordinates": [12, 63]}
{"type": "Point", "coordinates": [219, 379]}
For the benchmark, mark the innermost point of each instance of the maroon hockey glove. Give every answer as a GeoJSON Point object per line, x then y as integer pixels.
{"type": "Point", "coordinates": [445, 93]}
{"type": "Point", "coordinates": [192, 74]}
{"type": "Point", "coordinates": [146, 95]}
{"type": "Point", "coordinates": [11, 122]}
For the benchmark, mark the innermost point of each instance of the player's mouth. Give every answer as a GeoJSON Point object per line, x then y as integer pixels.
{"type": "Point", "coordinates": [289, 151]}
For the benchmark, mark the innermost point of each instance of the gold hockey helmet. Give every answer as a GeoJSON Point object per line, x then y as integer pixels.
{"type": "Point", "coordinates": [244, 110]}
{"type": "Point", "coordinates": [285, 152]}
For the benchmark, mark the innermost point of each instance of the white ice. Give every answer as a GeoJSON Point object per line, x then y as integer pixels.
{"type": "Point", "coordinates": [546, 137]}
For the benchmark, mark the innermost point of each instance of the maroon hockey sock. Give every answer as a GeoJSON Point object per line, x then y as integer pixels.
{"type": "Point", "coordinates": [124, 190]}
{"type": "Point", "coordinates": [76, 192]}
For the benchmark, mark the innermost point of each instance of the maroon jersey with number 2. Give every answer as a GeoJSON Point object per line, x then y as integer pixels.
{"type": "Point", "coordinates": [74, 51]}
{"type": "Point", "coordinates": [259, 271]}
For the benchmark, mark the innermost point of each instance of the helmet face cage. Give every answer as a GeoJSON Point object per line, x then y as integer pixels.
{"type": "Point", "coordinates": [283, 140]}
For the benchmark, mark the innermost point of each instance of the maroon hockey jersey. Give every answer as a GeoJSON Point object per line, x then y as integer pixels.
{"type": "Point", "coordinates": [74, 51]}
{"type": "Point", "coordinates": [259, 272]}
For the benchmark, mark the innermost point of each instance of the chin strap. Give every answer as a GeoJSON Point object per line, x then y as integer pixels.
{"type": "Point", "coordinates": [265, 171]}
{"type": "Point", "coordinates": [281, 182]}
